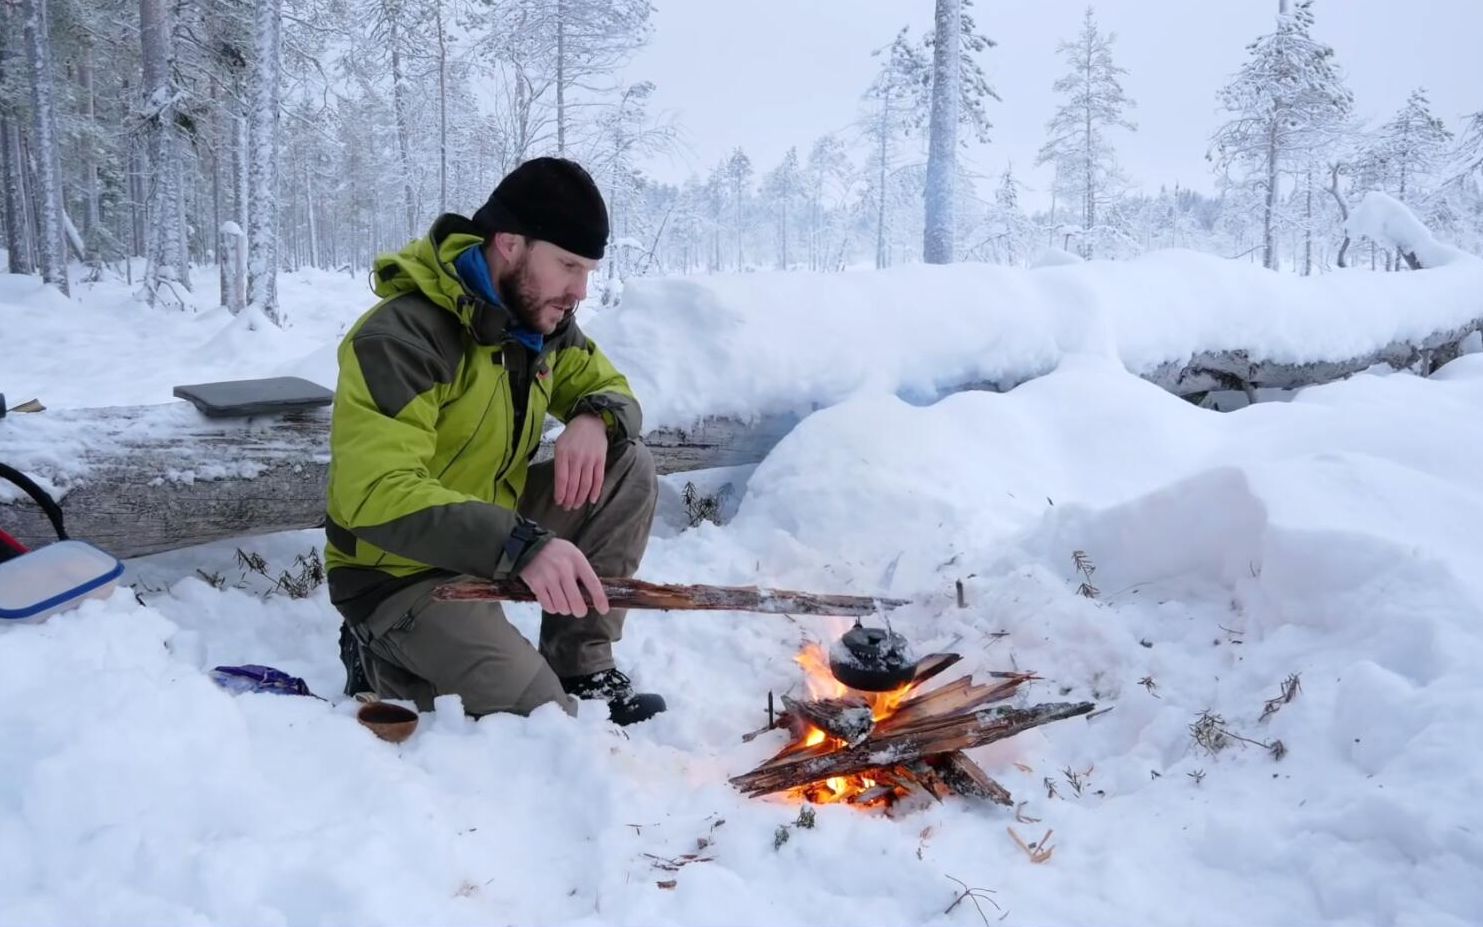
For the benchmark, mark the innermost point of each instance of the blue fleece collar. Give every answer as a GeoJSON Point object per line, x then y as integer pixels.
{"type": "Point", "coordinates": [473, 270]}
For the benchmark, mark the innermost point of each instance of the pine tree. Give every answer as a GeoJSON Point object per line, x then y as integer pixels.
{"type": "Point", "coordinates": [1409, 148]}
{"type": "Point", "coordinates": [1288, 103]}
{"type": "Point", "coordinates": [1079, 146]}
{"type": "Point", "coordinates": [782, 188]}
{"type": "Point", "coordinates": [896, 102]}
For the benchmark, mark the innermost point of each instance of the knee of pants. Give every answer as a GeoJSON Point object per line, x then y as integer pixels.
{"type": "Point", "coordinates": [639, 461]}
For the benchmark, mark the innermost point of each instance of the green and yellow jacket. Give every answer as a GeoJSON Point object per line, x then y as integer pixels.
{"type": "Point", "coordinates": [438, 412]}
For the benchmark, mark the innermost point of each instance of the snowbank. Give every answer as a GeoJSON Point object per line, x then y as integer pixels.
{"type": "Point", "coordinates": [746, 344]}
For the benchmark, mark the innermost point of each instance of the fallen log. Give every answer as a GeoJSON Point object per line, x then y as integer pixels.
{"type": "Point", "coordinates": [635, 593]}
{"type": "Point", "coordinates": [137, 480]}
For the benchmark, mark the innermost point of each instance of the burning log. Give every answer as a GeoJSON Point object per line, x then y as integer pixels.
{"type": "Point", "coordinates": [634, 593]}
{"type": "Point", "coordinates": [894, 745]}
{"type": "Point", "coordinates": [967, 778]}
{"type": "Point", "coordinates": [846, 719]}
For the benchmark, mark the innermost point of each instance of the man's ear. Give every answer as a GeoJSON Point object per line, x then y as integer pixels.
{"type": "Point", "coordinates": [506, 246]}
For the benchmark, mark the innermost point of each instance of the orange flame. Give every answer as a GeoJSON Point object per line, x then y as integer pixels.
{"type": "Point", "coordinates": [814, 659]}
{"type": "Point", "coordinates": [821, 683]}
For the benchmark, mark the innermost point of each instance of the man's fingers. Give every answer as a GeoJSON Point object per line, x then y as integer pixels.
{"type": "Point", "coordinates": [583, 487]}
{"type": "Point", "coordinates": [594, 587]}
{"type": "Point", "coordinates": [599, 473]}
{"type": "Point", "coordinates": [542, 594]}
{"type": "Point", "coordinates": [573, 595]}
{"type": "Point", "coordinates": [563, 477]}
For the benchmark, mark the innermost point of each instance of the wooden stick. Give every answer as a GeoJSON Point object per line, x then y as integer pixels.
{"type": "Point", "coordinates": [635, 593]}
{"type": "Point", "coordinates": [973, 729]}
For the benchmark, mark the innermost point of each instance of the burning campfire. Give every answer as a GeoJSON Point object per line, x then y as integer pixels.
{"type": "Point", "coordinates": [900, 744]}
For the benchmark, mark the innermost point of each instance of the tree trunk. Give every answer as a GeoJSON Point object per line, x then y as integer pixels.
{"type": "Point", "coordinates": [309, 210]}
{"type": "Point", "coordinates": [1308, 228]}
{"type": "Point", "coordinates": [162, 194]}
{"type": "Point", "coordinates": [403, 120]}
{"type": "Point", "coordinates": [785, 233]}
{"type": "Point", "coordinates": [262, 231]}
{"type": "Point", "coordinates": [50, 247]}
{"type": "Point", "coordinates": [942, 143]}
{"type": "Point", "coordinates": [240, 170]}
{"type": "Point", "coordinates": [442, 109]}
{"type": "Point", "coordinates": [561, 78]}
{"type": "Point", "coordinates": [1090, 212]}
{"type": "Point", "coordinates": [17, 242]}
{"type": "Point", "coordinates": [880, 219]}
{"type": "Point", "coordinates": [92, 217]}
{"type": "Point", "coordinates": [233, 267]}
{"type": "Point", "coordinates": [1269, 244]}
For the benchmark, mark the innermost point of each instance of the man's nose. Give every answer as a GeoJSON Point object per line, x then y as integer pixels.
{"type": "Point", "coordinates": [578, 289]}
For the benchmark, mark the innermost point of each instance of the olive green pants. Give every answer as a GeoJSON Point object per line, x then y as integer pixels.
{"type": "Point", "coordinates": [416, 648]}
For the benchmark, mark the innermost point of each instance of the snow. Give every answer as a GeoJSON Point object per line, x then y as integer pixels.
{"type": "Point", "coordinates": [1384, 219]}
{"type": "Point", "coordinates": [1333, 536]}
{"type": "Point", "coordinates": [748, 344]}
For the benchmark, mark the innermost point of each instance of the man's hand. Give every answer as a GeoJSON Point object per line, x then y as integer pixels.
{"type": "Point", "coordinates": [581, 460]}
{"type": "Point", "coordinates": [554, 575]}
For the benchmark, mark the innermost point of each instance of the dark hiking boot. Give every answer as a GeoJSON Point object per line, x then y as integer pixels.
{"type": "Point", "coordinates": [612, 686]}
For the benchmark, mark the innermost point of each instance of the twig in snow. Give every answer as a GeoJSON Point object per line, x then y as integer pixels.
{"type": "Point", "coordinates": [1290, 689]}
{"type": "Point", "coordinates": [974, 894]}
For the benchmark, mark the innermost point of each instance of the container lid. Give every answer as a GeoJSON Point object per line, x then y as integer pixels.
{"type": "Point", "coordinates": [53, 575]}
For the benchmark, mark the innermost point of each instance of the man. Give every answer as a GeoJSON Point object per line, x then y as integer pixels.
{"type": "Point", "coordinates": [444, 386]}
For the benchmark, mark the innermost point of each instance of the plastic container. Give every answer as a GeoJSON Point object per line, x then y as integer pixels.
{"type": "Point", "coordinates": [42, 582]}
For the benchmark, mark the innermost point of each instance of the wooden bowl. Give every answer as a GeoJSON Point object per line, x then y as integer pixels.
{"type": "Point", "coordinates": [392, 723]}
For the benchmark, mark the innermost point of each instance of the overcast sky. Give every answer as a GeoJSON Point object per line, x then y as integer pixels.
{"type": "Point", "coordinates": [768, 74]}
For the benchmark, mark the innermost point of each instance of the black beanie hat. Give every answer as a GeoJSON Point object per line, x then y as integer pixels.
{"type": "Point", "coordinates": [552, 199]}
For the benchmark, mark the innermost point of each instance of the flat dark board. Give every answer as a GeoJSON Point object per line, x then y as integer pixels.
{"type": "Point", "coordinates": [268, 396]}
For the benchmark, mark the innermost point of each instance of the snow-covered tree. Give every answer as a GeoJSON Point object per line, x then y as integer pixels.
{"type": "Point", "coordinates": [1093, 103]}
{"type": "Point", "coordinates": [12, 174]}
{"type": "Point", "coordinates": [262, 231]}
{"type": "Point", "coordinates": [1409, 148]}
{"type": "Point", "coordinates": [51, 250]}
{"type": "Point", "coordinates": [826, 178]}
{"type": "Point", "coordinates": [1467, 159]}
{"type": "Point", "coordinates": [1287, 102]}
{"type": "Point", "coordinates": [895, 104]}
{"type": "Point", "coordinates": [737, 176]}
{"type": "Point", "coordinates": [160, 109]}
{"type": "Point", "coordinates": [781, 189]}
{"type": "Point", "coordinates": [942, 139]}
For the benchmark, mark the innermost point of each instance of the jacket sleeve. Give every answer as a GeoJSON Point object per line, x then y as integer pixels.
{"type": "Point", "coordinates": [382, 440]}
{"type": "Point", "coordinates": [587, 382]}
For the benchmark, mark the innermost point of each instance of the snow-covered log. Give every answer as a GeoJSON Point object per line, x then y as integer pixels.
{"type": "Point", "coordinates": [143, 479]}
